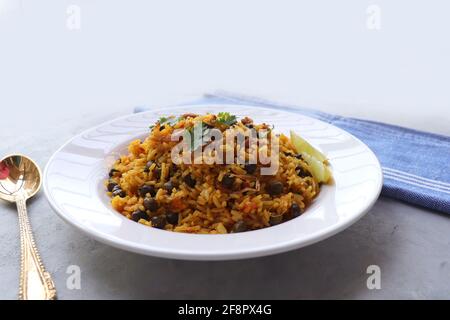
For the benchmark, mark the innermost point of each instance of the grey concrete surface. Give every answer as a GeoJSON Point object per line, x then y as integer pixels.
{"type": "Point", "coordinates": [409, 244]}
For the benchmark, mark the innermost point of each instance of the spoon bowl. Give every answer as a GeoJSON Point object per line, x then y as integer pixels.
{"type": "Point", "coordinates": [21, 178]}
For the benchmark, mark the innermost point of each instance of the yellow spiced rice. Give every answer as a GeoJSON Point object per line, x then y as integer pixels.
{"type": "Point", "coordinates": [147, 187]}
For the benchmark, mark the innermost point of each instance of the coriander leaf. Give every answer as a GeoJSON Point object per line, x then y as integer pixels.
{"type": "Point", "coordinates": [163, 120]}
{"type": "Point", "coordinates": [196, 135]}
{"type": "Point", "coordinates": [171, 120]}
{"type": "Point", "coordinates": [226, 118]}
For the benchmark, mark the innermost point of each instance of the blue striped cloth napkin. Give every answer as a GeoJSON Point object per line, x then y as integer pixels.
{"type": "Point", "coordinates": [416, 164]}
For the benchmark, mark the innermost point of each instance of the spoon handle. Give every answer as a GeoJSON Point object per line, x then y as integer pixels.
{"type": "Point", "coordinates": [35, 282]}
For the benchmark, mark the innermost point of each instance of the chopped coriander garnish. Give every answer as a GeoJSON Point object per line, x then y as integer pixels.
{"type": "Point", "coordinates": [163, 120]}
{"type": "Point", "coordinates": [168, 120]}
{"type": "Point", "coordinates": [171, 120]}
{"type": "Point", "coordinates": [196, 135]}
{"type": "Point", "coordinates": [226, 118]}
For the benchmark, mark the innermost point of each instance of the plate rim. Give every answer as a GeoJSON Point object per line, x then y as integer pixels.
{"type": "Point", "coordinates": [241, 254]}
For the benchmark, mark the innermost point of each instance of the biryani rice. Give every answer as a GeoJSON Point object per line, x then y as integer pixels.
{"type": "Point", "coordinates": [207, 206]}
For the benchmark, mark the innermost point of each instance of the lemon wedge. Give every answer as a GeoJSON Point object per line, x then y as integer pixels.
{"type": "Point", "coordinates": [315, 159]}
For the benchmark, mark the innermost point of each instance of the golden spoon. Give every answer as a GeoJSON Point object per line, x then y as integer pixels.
{"type": "Point", "coordinates": [20, 179]}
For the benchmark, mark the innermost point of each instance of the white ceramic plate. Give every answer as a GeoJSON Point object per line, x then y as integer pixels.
{"type": "Point", "coordinates": [73, 183]}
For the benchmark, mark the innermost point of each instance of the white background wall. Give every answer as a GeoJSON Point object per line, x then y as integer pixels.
{"type": "Point", "coordinates": [313, 53]}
